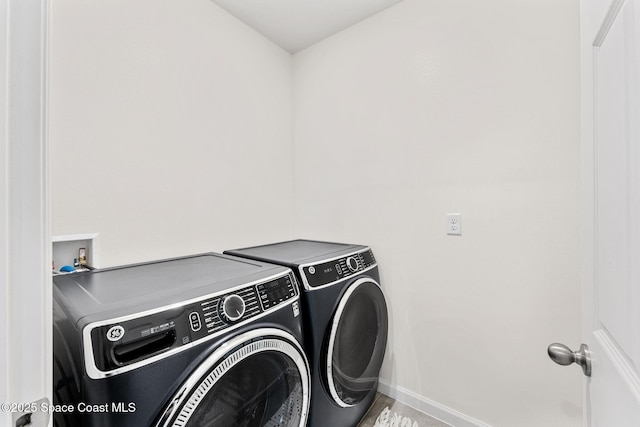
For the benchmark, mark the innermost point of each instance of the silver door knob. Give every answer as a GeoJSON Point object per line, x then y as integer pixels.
{"type": "Point", "coordinates": [562, 355]}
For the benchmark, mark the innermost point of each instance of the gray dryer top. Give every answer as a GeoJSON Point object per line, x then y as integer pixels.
{"type": "Point", "coordinates": [296, 252]}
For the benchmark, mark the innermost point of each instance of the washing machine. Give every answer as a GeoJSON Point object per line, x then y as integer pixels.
{"type": "Point", "coordinates": [345, 320]}
{"type": "Point", "coordinates": [204, 340]}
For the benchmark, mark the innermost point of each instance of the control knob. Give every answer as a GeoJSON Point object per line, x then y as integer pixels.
{"type": "Point", "coordinates": [352, 263]}
{"type": "Point", "coordinates": [232, 308]}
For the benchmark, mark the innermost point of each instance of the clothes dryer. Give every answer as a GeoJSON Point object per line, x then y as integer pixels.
{"type": "Point", "coordinates": [205, 340]}
{"type": "Point", "coordinates": [345, 320]}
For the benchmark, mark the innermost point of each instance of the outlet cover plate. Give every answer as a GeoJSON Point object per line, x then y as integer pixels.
{"type": "Point", "coordinates": [454, 224]}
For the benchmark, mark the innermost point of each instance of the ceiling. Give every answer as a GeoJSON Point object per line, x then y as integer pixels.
{"type": "Point", "coordinates": [297, 24]}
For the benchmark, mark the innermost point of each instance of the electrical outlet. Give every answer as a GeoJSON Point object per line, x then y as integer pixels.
{"type": "Point", "coordinates": [454, 224]}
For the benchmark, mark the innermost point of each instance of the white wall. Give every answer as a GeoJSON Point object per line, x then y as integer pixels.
{"type": "Point", "coordinates": [171, 128]}
{"type": "Point", "coordinates": [463, 106]}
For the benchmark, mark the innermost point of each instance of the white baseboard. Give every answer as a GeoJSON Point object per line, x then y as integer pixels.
{"type": "Point", "coordinates": [429, 407]}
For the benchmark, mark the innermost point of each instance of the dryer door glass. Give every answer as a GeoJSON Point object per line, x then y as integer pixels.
{"type": "Point", "coordinates": [260, 383]}
{"type": "Point", "coordinates": [357, 343]}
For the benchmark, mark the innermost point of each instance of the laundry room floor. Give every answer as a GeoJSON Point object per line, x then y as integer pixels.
{"type": "Point", "coordinates": [382, 401]}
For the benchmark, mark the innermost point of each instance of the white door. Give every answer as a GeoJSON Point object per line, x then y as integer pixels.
{"type": "Point", "coordinates": [610, 47]}
{"type": "Point", "coordinates": [25, 242]}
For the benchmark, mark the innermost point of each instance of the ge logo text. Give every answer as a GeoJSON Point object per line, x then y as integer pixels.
{"type": "Point", "coordinates": [115, 333]}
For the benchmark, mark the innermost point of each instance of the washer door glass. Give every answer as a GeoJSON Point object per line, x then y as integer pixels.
{"type": "Point", "coordinates": [262, 382]}
{"type": "Point", "coordinates": [357, 342]}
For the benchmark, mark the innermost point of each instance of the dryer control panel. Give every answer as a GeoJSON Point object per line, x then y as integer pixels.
{"type": "Point", "coordinates": [327, 272]}
{"type": "Point", "coordinates": [116, 346]}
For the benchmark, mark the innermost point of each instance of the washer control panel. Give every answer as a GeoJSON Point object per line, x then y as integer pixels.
{"type": "Point", "coordinates": [327, 272]}
{"type": "Point", "coordinates": [275, 292]}
{"type": "Point", "coordinates": [130, 341]}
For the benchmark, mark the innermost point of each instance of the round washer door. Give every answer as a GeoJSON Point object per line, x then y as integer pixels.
{"type": "Point", "coordinates": [258, 379]}
{"type": "Point", "coordinates": [357, 342]}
